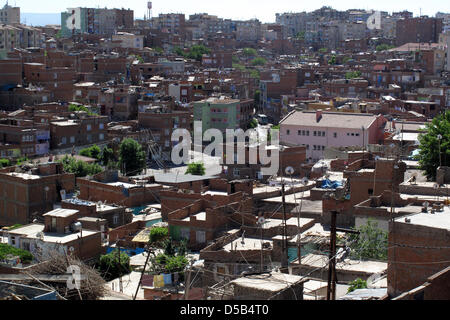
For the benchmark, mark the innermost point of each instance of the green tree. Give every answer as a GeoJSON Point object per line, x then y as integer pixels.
{"type": "Point", "coordinates": [157, 235]}
{"type": "Point", "coordinates": [323, 50]}
{"type": "Point", "coordinates": [259, 61]}
{"type": "Point", "coordinates": [159, 50]}
{"type": "Point", "coordinates": [383, 47]}
{"type": "Point", "coordinates": [131, 157]}
{"type": "Point", "coordinates": [357, 284]}
{"type": "Point", "coordinates": [107, 156]}
{"type": "Point", "coordinates": [109, 265]}
{"type": "Point", "coordinates": [196, 169]}
{"type": "Point", "coordinates": [197, 51]}
{"type": "Point", "coordinates": [91, 152]}
{"type": "Point", "coordinates": [249, 52]}
{"type": "Point", "coordinates": [80, 168]}
{"type": "Point", "coordinates": [5, 163]}
{"type": "Point", "coordinates": [371, 243]}
{"type": "Point", "coordinates": [352, 75]}
{"type": "Point", "coordinates": [300, 35]}
{"type": "Point", "coordinates": [434, 151]}
{"type": "Point", "coordinates": [332, 61]}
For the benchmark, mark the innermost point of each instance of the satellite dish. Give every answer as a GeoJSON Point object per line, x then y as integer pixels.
{"type": "Point", "coordinates": [289, 170]}
{"type": "Point", "coordinates": [305, 181]}
{"type": "Point", "coordinates": [377, 158]}
{"type": "Point", "coordinates": [71, 249]}
{"type": "Point", "coordinates": [261, 221]}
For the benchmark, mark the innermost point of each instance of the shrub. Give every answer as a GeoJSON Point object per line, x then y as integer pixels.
{"type": "Point", "coordinates": [357, 284]}
{"type": "Point", "coordinates": [6, 249]}
{"type": "Point", "coordinates": [111, 269]}
{"type": "Point", "coordinates": [196, 169]}
{"type": "Point", "coordinates": [158, 234]}
{"type": "Point", "coordinates": [5, 163]}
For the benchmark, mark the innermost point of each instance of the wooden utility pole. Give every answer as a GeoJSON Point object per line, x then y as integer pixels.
{"type": "Point", "coordinates": [187, 286]}
{"type": "Point", "coordinates": [142, 274]}
{"type": "Point", "coordinates": [284, 258]}
{"type": "Point", "coordinates": [331, 289]}
{"type": "Point", "coordinates": [120, 268]}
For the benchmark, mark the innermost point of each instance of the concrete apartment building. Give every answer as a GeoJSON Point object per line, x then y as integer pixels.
{"type": "Point", "coordinates": [418, 30]}
{"type": "Point", "coordinates": [9, 15]}
{"type": "Point", "coordinates": [223, 113]}
{"type": "Point", "coordinates": [173, 23]}
{"type": "Point", "coordinates": [318, 130]}
{"type": "Point", "coordinates": [129, 40]}
{"type": "Point", "coordinates": [95, 21]}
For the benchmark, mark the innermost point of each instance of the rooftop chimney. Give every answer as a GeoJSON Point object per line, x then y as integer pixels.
{"type": "Point", "coordinates": [319, 114]}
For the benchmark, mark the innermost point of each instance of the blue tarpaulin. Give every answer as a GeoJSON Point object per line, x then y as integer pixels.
{"type": "Point", "coordinates": [328, 184]}
{"type": "Point", "coordinates": [129, 252]}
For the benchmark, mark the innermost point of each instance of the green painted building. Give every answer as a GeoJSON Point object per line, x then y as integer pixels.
{"type": "Point", "coordinates": [220, 114]}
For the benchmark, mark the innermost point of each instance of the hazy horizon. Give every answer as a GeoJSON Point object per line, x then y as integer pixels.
{"type": "Point", "coordinates": [264, 10]}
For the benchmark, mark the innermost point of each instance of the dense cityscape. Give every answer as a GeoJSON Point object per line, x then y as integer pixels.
{"type": "Point", "coordinates": [194, 157]}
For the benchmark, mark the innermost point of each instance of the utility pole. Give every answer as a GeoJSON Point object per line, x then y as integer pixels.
{"type": "Point", "coordinates": [120, 267]}
{"type": "Point", "coordinates": [284, 258]}
{"type": "Point", "coordinates": [331, 289]}
{"type": "Point", "coordinates": [188, 284]}
{"type": "Point", "coordinates": [142, 274]}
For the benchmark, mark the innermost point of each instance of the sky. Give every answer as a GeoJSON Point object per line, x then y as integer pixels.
{"type": "Point", "coordinates": [264, 10]}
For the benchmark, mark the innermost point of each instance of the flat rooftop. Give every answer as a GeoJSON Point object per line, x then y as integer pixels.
{"type": "Point", "coordinates": [31, 231]}
{"type": "Point", "coordinates": [439, 220]}
{"type": "Point", "coordinates": [201, 216]}
{"type": "Point", "coordinates": [321, 261]}
{"type": "Point", "coordinates": [274, 282]}
{"type": "Point", "coordinates": [61, 213]}
{"type": "Point", "coordinates": [249, 244]}
{"type": "Point", "coordinates": [24, 176]}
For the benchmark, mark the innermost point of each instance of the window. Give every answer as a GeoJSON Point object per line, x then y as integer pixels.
{"type": "Point", "coordinates": [101, 126]}
{"type": "Point", "coordinates": [13, 241]}
{"type": "Point", "coordinates": [315, 147]}
{"type": "Point", "coordinates": [353, 134]}
{"type": "Point", "coordinates": [63, 140]}
{"type": "Point", "coordinates": [72, 139]}
{"type": "Point", "coordinates": [323, 148]}
{"type": "Point", "coordinates": [370, 192]}
{"type": "Point", "coordinates": [335, 134]}
{"type": "Point", "coordinates": [89, 138]}
{"type": "Point", "coordinates": [201, 237]}
{"type": "Point", "coordinates": [324, 134]}
{"type": "Point", "coordinates": [236, 172]}
{"type": "Point", "coordinates": [88, 127]}
{"type": "Point", "coordinates": [300, 132]}
{"type": "Point", "coordinates": [116, 219]}
{"type": "Point", "coordinates": [315, 133]}
{"type": "Point", "coordinates": [307, 133]}
{"type": "Point", "coordinates": [185, 233]}
{"type": "Point", "coordinates": [288, 132]}
{"type": "Point", "coordinates": [101, 136]}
